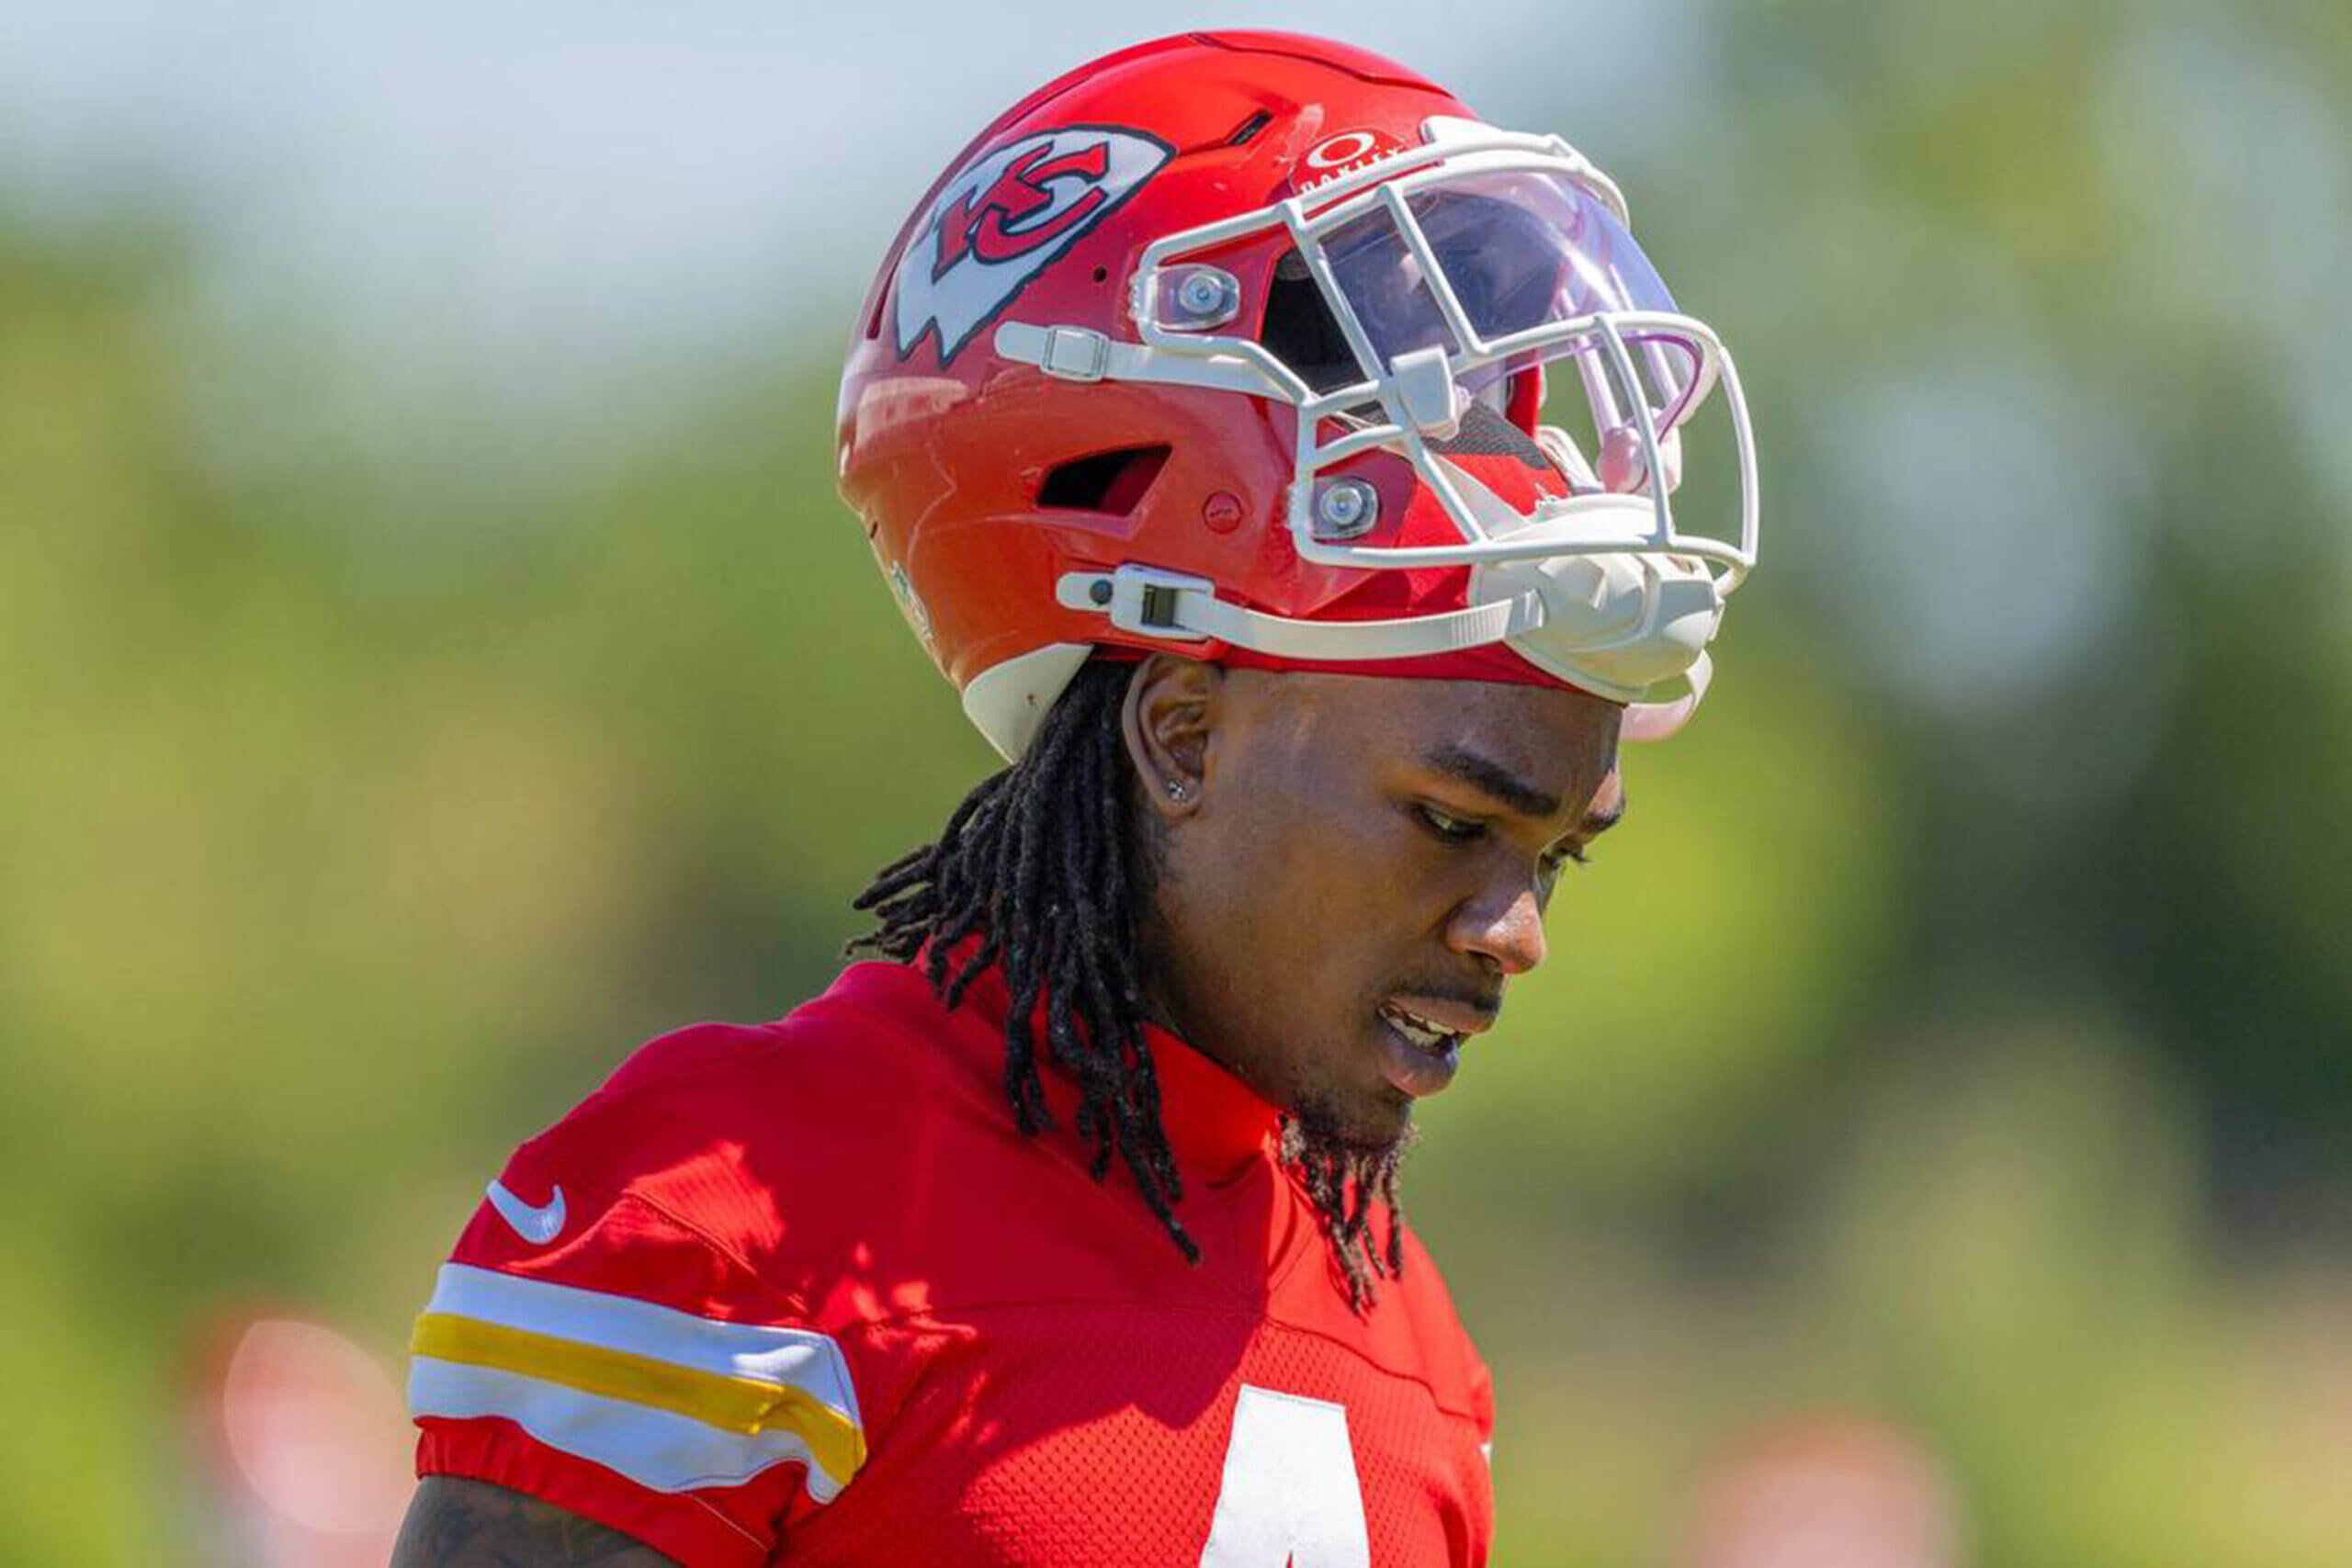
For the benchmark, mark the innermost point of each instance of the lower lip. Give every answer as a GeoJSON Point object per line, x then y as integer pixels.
{"type": "Point", "coordinates": [1413, 1070]}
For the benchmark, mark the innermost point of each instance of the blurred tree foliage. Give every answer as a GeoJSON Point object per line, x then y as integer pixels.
{"type": "Point", "coordinates": [1957, 1031]}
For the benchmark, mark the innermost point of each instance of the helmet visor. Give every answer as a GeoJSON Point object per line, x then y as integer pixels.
{"type": "Point", "coordinates": [1519, 248]}
{"type": "Point", "coordinates": [1490, 264]}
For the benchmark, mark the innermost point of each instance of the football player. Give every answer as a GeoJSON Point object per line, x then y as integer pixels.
{"type": "Point", "coordinates": [1280, 460]}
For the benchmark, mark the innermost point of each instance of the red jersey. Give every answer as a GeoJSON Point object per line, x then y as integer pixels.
{"type": "Point", "coordinates": [801, 1292]}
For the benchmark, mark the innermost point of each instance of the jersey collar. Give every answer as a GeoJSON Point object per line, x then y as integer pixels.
{"type": "Point", "coordinates": [1216, 1124]}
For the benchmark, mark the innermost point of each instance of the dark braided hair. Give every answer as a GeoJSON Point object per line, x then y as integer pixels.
{"type": "Point", "coordinates": [1042, 873]}
{"type": "Point", "coordinates": [1342, 1179]}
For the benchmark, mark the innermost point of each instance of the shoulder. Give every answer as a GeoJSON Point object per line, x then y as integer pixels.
{"type": "Point", "coordinates": [1412, 1332]}
{"type": "Point", "coordinates": [809, 1081]}
{"type": "Point", "coordinates": [729, 1165]}
{"type": "Point", "coordinates": [652, 1299]}
{"type": "Point", "coordinates": [1424, 1308]}
{"type": "Point", "coordinates": [875, 1026]}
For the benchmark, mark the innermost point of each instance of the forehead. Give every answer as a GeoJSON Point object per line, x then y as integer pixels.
{"type": "Point", "coordinates": [1561, 741]}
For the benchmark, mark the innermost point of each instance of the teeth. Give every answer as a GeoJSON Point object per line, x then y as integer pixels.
{"type": "Point", "coordinates": [1418, 1030]}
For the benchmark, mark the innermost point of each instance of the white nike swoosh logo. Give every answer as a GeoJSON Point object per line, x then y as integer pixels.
{"type": "Point", "coordinates": [538, 1226]}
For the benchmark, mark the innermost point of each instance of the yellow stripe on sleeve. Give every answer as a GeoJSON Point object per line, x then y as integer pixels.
{"type": "Point", "coordinates": [746, 1405]}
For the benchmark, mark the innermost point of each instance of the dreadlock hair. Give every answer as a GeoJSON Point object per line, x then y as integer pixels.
{"type": "Point", "coordinates": [1342, 1179]}
{"type": "Point", "coordinates": [1050, 867]}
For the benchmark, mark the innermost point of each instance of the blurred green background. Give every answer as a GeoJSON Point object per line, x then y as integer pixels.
{"type": "Point", "coordinates": [418, 683]}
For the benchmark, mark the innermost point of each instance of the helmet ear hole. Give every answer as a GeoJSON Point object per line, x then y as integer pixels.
{"type": "Point", "coordinates": [1105, 481]}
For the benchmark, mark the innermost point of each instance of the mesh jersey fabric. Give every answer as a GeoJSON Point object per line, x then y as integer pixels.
{"type": "Point", "coordinates": [800, 1292]}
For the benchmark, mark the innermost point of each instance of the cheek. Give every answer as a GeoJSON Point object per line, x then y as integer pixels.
{"type": "Point", "coordinates": [1253, 880]}
{"type": "Point", "coordinates": [1319, 894]}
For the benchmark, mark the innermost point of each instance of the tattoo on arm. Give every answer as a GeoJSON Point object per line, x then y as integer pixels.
{"type": "Point", "coordinates": [454, 1523]}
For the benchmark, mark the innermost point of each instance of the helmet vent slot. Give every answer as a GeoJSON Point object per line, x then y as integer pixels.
{"type": "Point", "coordinates": [1105, 481]}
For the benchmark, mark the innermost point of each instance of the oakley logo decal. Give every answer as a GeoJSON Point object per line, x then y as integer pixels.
{"type": "Point", "coordinates": [1001, 219]}
{"type": "Point", "coordinates": [1335, 157]}
{"type": "Point", "coordinates": [1341, 149]}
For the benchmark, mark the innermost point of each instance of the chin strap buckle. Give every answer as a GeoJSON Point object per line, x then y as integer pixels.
{"type": "Point", "coordinates": [1075, 354]}
{"type": "Point", "coordinates": [1139, 599]}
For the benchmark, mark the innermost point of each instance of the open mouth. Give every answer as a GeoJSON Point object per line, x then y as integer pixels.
{"type": "Point", "coordinates": [1433, 1038]}
{"type": "Point", "coordinates": [1422, 1054]}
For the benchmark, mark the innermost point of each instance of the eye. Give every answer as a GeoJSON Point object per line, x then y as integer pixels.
{"type": "Point", "coordinates": [1449, 827]}
{"type": "Point", "coordinates": [1561, 856]}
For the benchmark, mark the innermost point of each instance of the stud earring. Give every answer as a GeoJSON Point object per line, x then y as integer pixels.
{"type": "Point", "coordinates": [1176, 790]}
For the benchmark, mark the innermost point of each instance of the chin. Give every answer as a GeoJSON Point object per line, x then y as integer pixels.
{"type": "Point", "coordinates": [1374, 1124]}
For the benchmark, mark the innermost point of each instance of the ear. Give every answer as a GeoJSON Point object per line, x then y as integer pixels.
{"type": "Point", "coordinates": [1168, 715]}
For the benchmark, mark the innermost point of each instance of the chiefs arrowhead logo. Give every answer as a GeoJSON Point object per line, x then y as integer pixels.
{"type": "Point", "coordinates": [1003, 217]}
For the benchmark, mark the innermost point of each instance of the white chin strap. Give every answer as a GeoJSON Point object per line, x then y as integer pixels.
{"type": "Point", "coordinates": [1174, 607]}
{"type": "Point", "coordinates": [1167, 604]}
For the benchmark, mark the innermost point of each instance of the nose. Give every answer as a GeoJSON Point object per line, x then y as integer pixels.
{"type": "Point", "coordinates": [1505, 929]}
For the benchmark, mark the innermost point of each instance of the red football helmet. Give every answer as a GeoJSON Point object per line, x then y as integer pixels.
{"type": "Point", "coordinates": [1235, 344]}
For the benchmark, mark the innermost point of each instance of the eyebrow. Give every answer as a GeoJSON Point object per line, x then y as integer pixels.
{"type": "Point", "coordinates": [1491, 778]}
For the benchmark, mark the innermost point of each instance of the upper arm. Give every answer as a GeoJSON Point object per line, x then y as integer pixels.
{"type": "Point", "coordinates": [602, 1340]}
{"type": "Point", "coordinates": [454, 1523]}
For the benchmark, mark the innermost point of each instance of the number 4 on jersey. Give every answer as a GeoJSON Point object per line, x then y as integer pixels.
{"type": "Point", "coordinates": [1290, 1497]}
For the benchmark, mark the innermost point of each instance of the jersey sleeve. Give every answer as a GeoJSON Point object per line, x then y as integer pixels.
{"type": "Point", "coordinates": [597, 1340]}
